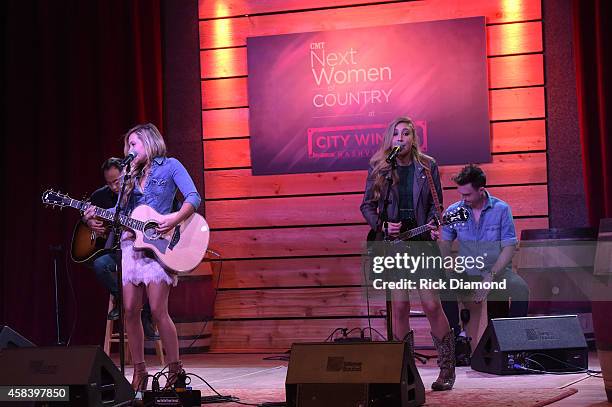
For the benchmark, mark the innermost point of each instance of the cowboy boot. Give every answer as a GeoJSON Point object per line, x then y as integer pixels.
{"type": "Point", "coordinates": [446, 362]}
{"type": "Point", "coordinates": [175, 375]}
{"type": "Point", "coordinates": [140, 379]}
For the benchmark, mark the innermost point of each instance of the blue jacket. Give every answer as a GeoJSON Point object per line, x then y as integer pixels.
{"type": "Point", "coordinates": [165, 177]}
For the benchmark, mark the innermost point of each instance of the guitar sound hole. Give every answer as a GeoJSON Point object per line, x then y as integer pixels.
{"type": "Point", "coordinates": [150, 232]}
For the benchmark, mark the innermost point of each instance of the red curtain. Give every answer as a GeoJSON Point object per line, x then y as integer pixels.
{"type": "Point", "coordinates": [592, 50]}
{"type": "Point", "coordinates": [592, 41]}
{"type": "Point", "coordinates": [78, 74]}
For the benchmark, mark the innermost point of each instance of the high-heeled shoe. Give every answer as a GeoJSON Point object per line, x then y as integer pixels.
{"type": "Point", "coordinates": [175, 371]}
{"type": "Point", "coordinates": [140, 379]}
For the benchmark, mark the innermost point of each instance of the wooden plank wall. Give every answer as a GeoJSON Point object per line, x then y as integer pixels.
{"type": "Point", "coordinates": [291, 242]}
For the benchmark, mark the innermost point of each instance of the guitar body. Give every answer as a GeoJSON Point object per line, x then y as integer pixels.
{"type": "Point", "coordinates": [86, 245]}
{"type": "Point", "coordinates": [181, 249]}
{"type": "Point", "coordinates": [379, 249]}
{"type": "Point", "coordinates": [379, 236]}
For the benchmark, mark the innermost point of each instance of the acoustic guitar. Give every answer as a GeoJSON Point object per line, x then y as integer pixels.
{"type": "Point", "coordinates": [180, 250]}
{"type": "Point", "coordinates": [88, 245]}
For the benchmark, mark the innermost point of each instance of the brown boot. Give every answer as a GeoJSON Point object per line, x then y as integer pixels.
{"type": "Point", "coordinates": [140, 379]}
{"type": "Point", "coordinates": [446, 362]}
{"type": "Point", "coordinates": [174, 370]}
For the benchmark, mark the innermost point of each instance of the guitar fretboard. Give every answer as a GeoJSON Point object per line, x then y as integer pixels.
{"type": "Point", "coordinates": [460, 215]}
{"type": "Point", "coordinates": [105, 214]}
{"type": "Point", "coordinates": [414, 232]}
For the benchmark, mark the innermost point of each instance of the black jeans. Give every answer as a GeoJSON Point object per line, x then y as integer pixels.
{"type": "Point", "coordinates": [105, 268]}
{"type": "Point", "coordinates": [498, 302]}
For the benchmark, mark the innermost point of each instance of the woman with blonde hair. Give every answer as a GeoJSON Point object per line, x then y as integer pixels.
{"type": "Point", "coordinates": [410, 205]}
{"type": "Point", "coordinates": [154, 182]}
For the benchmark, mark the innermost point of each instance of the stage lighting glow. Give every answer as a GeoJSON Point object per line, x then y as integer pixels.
{"type": "Point", "coordinates": [222, 28]}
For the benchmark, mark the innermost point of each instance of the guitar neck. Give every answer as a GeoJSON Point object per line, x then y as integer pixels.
{"type": "Point", "coordinates": [409, 234]}
{"type": "Point", "coordinates": [107, 214]}
{"type": "Point", "coordinates": [414, 232]}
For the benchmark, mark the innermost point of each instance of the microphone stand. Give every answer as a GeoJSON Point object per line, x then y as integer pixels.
{"type": "Point", "coordinates": [57, 251]}
{"type": "Point", "coordinates": [116, 227]}
{"type": "Point", "coordinates": [384, 215]}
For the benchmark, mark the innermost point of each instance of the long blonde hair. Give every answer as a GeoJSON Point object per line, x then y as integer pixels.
{"type": "Point", "coordinates": [378, 161]}
{"type": "Point", "coordinates": [154, 146]}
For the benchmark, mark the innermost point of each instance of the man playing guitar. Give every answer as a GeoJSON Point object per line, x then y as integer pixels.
{"type": "Point", "coordinates": [105, 264]}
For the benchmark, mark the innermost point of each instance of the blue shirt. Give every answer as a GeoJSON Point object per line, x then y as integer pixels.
{"type": "Point", "coordinates": [494, 231]}
{"type": "Point", "coordinates": [165, 176]}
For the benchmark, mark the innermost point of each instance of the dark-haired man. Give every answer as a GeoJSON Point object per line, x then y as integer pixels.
{"type": "Point", "coordinates": [105, 266]}
{"type": "Point", "coordinates": [489, 233]}
{"type": "Point", "coordinates": [105, 197]}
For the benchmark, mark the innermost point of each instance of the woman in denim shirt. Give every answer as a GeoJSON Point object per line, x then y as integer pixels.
{"type": "Point", "coordinates": [155, 181]}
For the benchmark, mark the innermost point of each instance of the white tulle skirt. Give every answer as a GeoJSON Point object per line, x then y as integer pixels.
{"type": "Point", "coordinates": [140, 266]}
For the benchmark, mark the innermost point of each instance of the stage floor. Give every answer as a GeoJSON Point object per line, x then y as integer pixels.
{"type": "Point", "coordinates": [256, 380]}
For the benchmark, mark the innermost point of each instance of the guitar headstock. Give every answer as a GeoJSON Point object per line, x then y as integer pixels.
{"type": "Point", "coordinates": [459, 215]}
{"type": "Point", "coordinates": [53, 198]}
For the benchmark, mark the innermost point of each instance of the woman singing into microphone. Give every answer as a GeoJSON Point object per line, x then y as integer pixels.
{"type": "Point", "coordinates": [410, 204]}
{"type": "Point", "coordinates": [155, 181]}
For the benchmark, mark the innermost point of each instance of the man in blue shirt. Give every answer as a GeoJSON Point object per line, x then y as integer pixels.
{"type": "Point", "coordinates": [489, 233]}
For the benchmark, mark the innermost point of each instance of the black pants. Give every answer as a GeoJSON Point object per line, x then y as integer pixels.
{"type": "Point", "coordinates": [105, 268]}
{"type": "Point", "coordinates": [498, 302]}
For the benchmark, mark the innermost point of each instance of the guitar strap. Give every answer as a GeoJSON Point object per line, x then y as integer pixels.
{"type": "Point", "coordinates": [434, 193]}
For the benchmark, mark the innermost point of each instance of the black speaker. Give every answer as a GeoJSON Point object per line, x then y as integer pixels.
{"type": "Point", "coordinates": [11, 339]}
{"type": "Point", "coordinates": [370, 374]}
{"type": "Point", "coordinates": [530, 344]}
{"type": "Point", "coordinates": [90, 376]}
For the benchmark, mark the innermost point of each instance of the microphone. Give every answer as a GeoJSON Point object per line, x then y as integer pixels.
{"type": "Point", "coordinates": [394, 153]}
{"type": "Point", "coordinates": [129, 158]}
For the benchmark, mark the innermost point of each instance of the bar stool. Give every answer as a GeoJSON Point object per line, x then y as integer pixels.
{"type": "Point", "coordinates": [113, 337]}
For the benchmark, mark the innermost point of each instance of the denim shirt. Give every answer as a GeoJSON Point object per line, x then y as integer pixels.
{"type": "Point", "coordinates": [165, 176]}
{"type": "Point", "coordinates": [494, 231]}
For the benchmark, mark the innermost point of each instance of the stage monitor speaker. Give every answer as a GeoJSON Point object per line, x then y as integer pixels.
{"type": "Point", "coordinates": [367, 374]}
{"type": "Point", "coordinates": [11, 339]}
{"type": "Point", "coordinates": [91, 377]}
{"type": "Point", "coordinates": [525, 345]}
